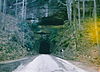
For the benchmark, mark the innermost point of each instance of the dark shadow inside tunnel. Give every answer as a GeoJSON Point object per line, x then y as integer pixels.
{"type": "Point", "coordinates": [44, 47]}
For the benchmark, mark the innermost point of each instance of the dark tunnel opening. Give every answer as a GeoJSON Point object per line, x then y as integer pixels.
{"type": "Point", "coordinates": [44, 47]}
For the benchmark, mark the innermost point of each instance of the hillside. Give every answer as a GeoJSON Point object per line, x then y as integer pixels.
{"type": "Point", "coordinates": [11, 38]}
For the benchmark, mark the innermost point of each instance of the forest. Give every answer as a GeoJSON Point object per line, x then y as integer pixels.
{"type": "Point", "coordinates": [70, 27]}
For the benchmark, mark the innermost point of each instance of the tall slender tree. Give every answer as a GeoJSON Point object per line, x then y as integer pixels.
{"type": "Point", "coordinates": [4, 12]}
{"type": "Point", "coordinates": [79, 22]}
{"type": "Point", "coordinates": [69, 9]}
{"type": "Point", "coordinates": [95, 22]}
{"type": "Point", "coordinates": [0, 5]}
{"type": "Point", "coordinates": [24, 7]}
{"type": "Point", "coordinates": [16, 11]}
{"type": "Point", "coordinates": [4, 6]}
{"type": "Point", "coordinates": [46, 10]}
{"type": "Point", "coordinates": [83, 9]}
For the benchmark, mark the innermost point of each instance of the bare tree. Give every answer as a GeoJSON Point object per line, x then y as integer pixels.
{"type": "Point", "coordinates": [83, 9]}
{"type": "Point", "coordinates": [0, 5]}
{"type": "Point", "coordinates": [79, 22]}
{"type": "Point", "coordinates": [16, 11]}
{"type": "Point", "coordinates": [46, 10]}
{"type": "Point", "coordinates": [4, 7]}
{"type": "Point", "coordinates": [95, 22]}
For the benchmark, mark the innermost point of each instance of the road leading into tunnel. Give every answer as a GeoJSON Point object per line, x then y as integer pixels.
{"type": "Point", "coordinates": [48, 63]}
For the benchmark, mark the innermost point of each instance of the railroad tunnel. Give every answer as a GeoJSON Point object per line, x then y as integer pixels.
{"type": "Point", "coordinates": [44, 47]}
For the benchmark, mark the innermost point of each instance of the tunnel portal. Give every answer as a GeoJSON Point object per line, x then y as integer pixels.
{"type": "Point", "coordinates": [44, 47]}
